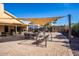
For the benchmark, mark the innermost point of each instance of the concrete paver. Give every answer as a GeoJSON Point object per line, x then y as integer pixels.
{"type": "Point", "coordinates": [58, 47]}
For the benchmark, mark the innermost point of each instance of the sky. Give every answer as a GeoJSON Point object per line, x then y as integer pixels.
{"type": "Point", "coordinates": [42, 10]}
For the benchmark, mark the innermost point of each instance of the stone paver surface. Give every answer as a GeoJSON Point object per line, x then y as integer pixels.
{"type": "Point", "coordinates": [58, 47]}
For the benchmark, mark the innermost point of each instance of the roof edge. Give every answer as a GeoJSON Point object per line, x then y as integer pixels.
{"type": "Point", "coordinates": [9, 14]}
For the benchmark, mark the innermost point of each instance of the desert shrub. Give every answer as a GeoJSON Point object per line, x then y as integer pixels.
{"type": "Point", "coordinates": [75, 29]}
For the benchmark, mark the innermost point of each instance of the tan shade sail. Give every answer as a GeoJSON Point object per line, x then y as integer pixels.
{"type": "Point", "coordinates": [43, 21]}
{"type": "Point", "coordinates": [38, 21]}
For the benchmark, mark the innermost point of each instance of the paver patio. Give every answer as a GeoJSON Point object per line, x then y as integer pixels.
{"type": "Point", "coordinates": [58, 47]}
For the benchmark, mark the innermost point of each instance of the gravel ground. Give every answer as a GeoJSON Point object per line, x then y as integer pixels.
{"type": "Point", "coordinates": [58, 47]}
{"type": "Point", "coordinates": [75, 46]}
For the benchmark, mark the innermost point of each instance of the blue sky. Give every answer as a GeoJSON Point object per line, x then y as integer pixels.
{"type": "Point", "coordinates": [40, 10]}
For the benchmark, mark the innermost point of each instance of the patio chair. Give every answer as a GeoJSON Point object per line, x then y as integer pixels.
{"type": "Point", "coordinates": [3, 33]}
{"type": "Point", "coordinates": [26, 35]}
{"type": "Point", "coordinates": [30, 35]}
{"type": "Point", "coordinates": [41, 40]}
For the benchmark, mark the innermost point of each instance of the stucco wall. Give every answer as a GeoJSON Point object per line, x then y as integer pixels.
{"type": "Point", "coordinates": [1, 28]}
{"type": "Point", "coordinates": [1, 16]}
{"type": "Point", "coordinates": [1, 7]}
{"type": "Point", "coordinates": [57, 28]}
{"type": "Point", "coordinates": [1, 10]}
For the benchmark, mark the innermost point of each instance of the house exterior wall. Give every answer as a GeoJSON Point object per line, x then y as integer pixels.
{"type": "Point", "coordinates": [57, 28]}
{"type": "Point", "coordinates": [1, 8]}
{"type": "Point", "coordinates": [7, 22]}
{"type": "Point", "coordinates": [1, 28]}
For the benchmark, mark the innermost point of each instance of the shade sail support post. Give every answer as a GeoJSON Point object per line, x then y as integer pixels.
{"type": "Point", "coordinates": [44, 36]}
{"type": "Point", "coordinates": [69, 19]}
{"type": "Point", "coordinates": [51, 36]}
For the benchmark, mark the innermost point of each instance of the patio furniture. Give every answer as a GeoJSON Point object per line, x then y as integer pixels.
{"type": "Point", "coordinates": [3, 33]}
{"type": "Point", "coordinates": [30, 35]}
{"type": "Point", "coordinates": [26, 35]}
{"type": "Point", "coordinates": [37, 42]}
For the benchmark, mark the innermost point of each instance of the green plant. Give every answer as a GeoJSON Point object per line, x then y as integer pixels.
{"type": "Point", "coordinates": [75, 29]}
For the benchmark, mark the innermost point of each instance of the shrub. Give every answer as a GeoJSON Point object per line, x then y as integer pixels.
{"type": "Point", "coordinates": [75, 29]}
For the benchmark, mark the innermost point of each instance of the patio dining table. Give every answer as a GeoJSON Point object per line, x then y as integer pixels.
{"type": "Point", "coordinates": [30, 35]}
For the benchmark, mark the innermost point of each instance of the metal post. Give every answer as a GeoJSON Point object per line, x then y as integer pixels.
{"type": "Point", "coordinates": [69, 18]}
{"type": "Point", "coordinates": [46, 42]}
{"type": "Point", "coordinates": [36, 38]}
{"type": "Point", "coordinates": [45, 38]}
{"type": "Point", "coordinates": [51, 34]}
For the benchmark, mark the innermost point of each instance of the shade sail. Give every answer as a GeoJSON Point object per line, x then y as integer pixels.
{"type": "Point", "coordinates": [38, 21]}
{"type": "Point", "coordinates": [43, 21]}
